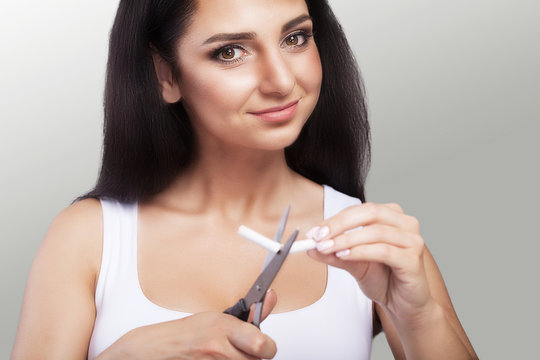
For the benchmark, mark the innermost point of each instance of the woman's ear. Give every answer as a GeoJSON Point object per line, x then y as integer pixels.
{"type": "Point", "coordinates": [170, 91]}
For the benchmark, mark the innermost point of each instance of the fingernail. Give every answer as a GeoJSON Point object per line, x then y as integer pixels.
{"type": "Point", "coordinates": [325, 245]}
{"type": "Point", "coordinates": [324, 231]}
{"type": "Point", "coordinates": [312, 232]}
{"type": "Point", "coordinates": [343, 253]}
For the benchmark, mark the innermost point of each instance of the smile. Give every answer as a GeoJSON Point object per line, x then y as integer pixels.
{"type": "Point", "coordinates": [277, 113]}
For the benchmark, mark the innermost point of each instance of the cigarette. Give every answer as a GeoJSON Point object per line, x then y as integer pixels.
{"type": "Point", "coordinates": [259, 239]}
{"type": "Point", "coordinates": [271, 245]}
{"type": "Point", "coordinates": [302, 245]}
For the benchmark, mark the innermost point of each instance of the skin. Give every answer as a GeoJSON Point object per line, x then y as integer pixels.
{"type": "Point", "coordinates": [393, 267]}
{"type": "Point", "coordinates": [239, 177]}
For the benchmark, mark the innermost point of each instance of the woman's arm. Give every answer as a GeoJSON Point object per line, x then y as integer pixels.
{"type": "Point", "coordinates": [382, 248]}
{"type": "Point", "coordinates": [450, 323]}
{"type": "Point", "coordinates": [58, 309]}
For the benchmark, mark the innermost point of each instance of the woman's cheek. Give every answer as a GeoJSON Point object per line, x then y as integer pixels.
{"type": "Point", "coordinates": [312, 71]}
{"type": "Point", "coordinates": [227, 88]}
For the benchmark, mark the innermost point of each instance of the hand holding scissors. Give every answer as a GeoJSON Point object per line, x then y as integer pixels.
{"type": "Point", "coordinates": [257, 292]}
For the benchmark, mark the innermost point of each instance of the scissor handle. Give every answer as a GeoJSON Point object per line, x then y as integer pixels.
{"type": "Point", "coordinates": [239, 310]}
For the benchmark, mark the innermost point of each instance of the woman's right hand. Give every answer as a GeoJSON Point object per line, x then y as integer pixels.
{"type": "Point", "coordinates": [207, 335]}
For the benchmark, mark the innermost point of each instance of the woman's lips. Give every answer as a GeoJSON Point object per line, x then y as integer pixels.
{"type": "Point", "coordinates": [277, 113]}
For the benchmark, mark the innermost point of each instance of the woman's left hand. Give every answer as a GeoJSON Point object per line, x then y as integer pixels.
{"type": "Point", "coordinates": [382, 248]}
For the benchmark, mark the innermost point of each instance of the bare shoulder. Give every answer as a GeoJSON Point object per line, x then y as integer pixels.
{"type": "Point", "coordinates": [308, 195]}
{"type": "Point", "coordinates": [62, 282]}
{"type": "Point", "coordinates": [84, 214]}
{"type": "Point", "coordinates": [308, 187]}
{"type": "Point", "coordinates": [78, 230]}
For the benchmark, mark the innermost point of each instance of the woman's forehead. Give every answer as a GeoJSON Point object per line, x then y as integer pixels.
{"type": "Point", "coordinates": [232, 16]}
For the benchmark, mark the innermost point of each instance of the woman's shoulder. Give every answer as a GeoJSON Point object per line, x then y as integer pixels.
{"type": "Point", "coordinates": [339, 196]}
{"type": "Point", "coordinates": [76, 232]}
{"type": "Point", "coordinates": [80, 218]}
{"type": "Point", "coordinates": [62, 281]}
{"type": "Point", "coordinates": [335, 201]}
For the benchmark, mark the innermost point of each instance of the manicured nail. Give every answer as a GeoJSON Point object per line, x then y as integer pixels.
{"type": "Point", "coordinates": [325, 245]}
{"type": "Point", "coordinates": [312, 232]}
{"type": "Point", "coordinates": [343, 253]}
{"type": "Point", "coordinates": [324, 231]}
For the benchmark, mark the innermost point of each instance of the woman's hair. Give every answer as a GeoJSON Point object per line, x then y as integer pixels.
{"type": "Point", "coordinates": [148, 142]}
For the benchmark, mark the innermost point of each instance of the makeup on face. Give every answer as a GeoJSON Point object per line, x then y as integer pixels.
{"type": "Point", "coordinates": [250, 73]}
{"type": "Point", "coordinates": [278, 113]}
{"type": "Point", "coordinates": [234, 47]}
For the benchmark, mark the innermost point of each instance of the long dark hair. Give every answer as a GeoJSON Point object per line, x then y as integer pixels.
{"type": "Point", "coordinates": [148, 142]}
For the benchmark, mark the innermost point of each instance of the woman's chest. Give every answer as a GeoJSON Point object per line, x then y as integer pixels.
{"type": "Point", "coordinates": [195, 266]}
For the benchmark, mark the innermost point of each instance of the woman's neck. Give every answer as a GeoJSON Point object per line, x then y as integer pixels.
{"type": "Point", "coordinates": [234, 183]}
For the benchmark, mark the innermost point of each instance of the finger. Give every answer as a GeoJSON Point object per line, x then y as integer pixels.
{"type": "Point", "coordinates": [270, 301]}
{"type": "Point", "coordinates": [356, 268]}
{"type": "Point", "coordinates": [395, 207]}
{"type": "Point", "coordinates": [369, 235]}
{"type": "Point", "coordinates": [250, 340]}
{"type": "Point", "coordinates": [389, 255]}
{"type": "Point", "coordinates": [329, 259]}
{"type": "Point", "coordinates": [363, 215]}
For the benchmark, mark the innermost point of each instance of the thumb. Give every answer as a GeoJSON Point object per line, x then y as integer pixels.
{"type": "Point", "coordinates": [270, 301]}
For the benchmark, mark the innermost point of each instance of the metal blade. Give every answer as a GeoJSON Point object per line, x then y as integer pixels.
{"type": "Point", "coordinates": [279, 234]}
{"type": "Point", "coordinates": [282, 223]}
{"type": "Point", "coordinates": [277, 238]}
{"type": "Point", "coordinates": [263, 282]}
{"type": "Point", "coordinates": [257, 316]}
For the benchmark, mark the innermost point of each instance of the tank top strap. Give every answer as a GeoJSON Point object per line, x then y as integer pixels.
{"type": "Point", "coordinates": [335, 201]}
{"type": "Point", "coordinates": [119, 254]}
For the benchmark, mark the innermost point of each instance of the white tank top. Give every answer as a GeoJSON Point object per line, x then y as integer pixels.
{"type": "Point", "coordinates": [337, 326]}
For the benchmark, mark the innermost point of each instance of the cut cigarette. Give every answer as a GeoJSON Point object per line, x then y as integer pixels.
{"type": "Point", "coordinates": [302, 245]}
{"type": "Point", "coordinates": [271, 245]}
{"type": "Point", "coordinates": [259, 239]}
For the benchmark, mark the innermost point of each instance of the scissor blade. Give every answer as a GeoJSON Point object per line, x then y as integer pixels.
{"type": "Point", "coordinates": [282, 223]}
{"type": "Point", "coordinates": [263, 282]}
{"type": "Point", "coordinates": [278, 235]}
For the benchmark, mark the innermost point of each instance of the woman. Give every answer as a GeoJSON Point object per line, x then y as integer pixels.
{"type": "Point", "coordinates": [220, 113]}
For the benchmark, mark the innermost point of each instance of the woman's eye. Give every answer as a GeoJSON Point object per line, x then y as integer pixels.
{"type": "Point", "coordinates": [230, 54]}
{"type": "Point", "coordinates": [296, 39]}
{"type": "Point", "coordinates": [292, 40]}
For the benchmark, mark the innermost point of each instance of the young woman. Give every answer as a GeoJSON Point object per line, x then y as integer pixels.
{"type": "Point", "coordinates": [220, 113]}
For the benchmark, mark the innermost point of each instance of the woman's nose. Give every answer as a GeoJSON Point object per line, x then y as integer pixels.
{"type": "Point", "coordinates": [277, 76]}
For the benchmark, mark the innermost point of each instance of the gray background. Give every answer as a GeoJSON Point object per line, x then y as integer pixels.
{"type": "Point", "coordinates": [453, 90]}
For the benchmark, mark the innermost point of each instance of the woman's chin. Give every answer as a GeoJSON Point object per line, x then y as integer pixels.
{"type": "Point", "coordinates": [275, 143]}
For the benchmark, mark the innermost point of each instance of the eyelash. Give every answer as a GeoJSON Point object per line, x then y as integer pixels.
{"type": "Point", "coordinates": [301, 33]}
{"type": "Point", "coordinates": [307, 36]}
{"type": "Point", "coordinates": [218, 52]}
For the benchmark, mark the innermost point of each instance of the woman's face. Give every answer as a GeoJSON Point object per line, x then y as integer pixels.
{"type": "Point", "coordinates": [249, 72]}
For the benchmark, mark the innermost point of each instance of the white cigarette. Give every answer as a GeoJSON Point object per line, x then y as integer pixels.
{"type": "Point", "coordinates": [303, 245]}
{"type": "Point", "coordinates": [271, 245]}
{"type": "Point", "coordinates": [259, 239]}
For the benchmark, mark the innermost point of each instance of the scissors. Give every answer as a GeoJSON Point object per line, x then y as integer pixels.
{"type": "Point", "coordinates": [257, 292]}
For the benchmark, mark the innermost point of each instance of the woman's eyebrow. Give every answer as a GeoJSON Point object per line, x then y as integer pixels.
{"type": "Point", "coordinates": [223, 37]}
{"type": "Point", "coordinates": [230, 37]}
{"type": "Point", "coordinates": [294, 22]}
